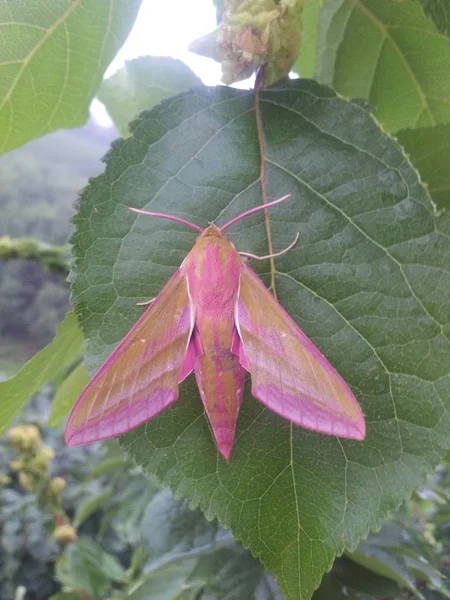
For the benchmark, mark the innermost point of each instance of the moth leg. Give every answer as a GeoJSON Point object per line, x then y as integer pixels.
{"type": "Point", "coordinates": [274, 254]}
{"type": "Point", "coordinates": [145, 303]}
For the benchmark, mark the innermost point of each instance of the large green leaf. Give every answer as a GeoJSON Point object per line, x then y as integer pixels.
{"type": "Point", "coordinates": [429, 150]}
{"type": "Point", "coordinates": [305, 64]}
{"type": "Point", "coordinates": [389, 53]}
{"type": "Point", "coordinates": [439, 11]}
{"type": "Point", "coordinates": [39, 370]}
{"type": "Point", "coordinates": [368, 282]}
{"type": "Point", "coordinates": [52, 59]}
{"type": "Point", "coordinates": [142, 83]}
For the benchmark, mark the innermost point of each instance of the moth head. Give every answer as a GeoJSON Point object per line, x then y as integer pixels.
{"type": "Point", "coordinates": [211, 231]}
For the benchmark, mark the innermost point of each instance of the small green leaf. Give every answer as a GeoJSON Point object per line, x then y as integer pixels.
{"type": "Point", "coordinates": [385, 564]}
{"type": "Point", "coordinates": [138, 557]}
{"type": "Point", "coordinates": [165, 583]}
{"type": "Point", "coordinates": [404, 75]}
{"type": "Point", "coordinates": [426, 572]}
{"type": "Point", "coordinates": [84, 567]}
{"type": "Point", "coordinates": [90, 506]}
{"type": "Point", "coordinates": [52, 59]}
{"type": "Point", "coordinates": [111, 568]}
{"type": "Point", "coordinates": [67, 394]}
{"type": "Point", "coordinates": [142, 83]}
{"type": "Point", "coordinates": [439, 11]}
{"type": "Point", "coordinates": [429, 150]}
{"type": "Point", "coordinates": [41, 369]}
{"type": "Point", "coordinates": [90, 568]}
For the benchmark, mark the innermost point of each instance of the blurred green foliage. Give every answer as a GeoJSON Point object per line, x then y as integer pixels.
{"type": "Point", "coordinates": [132, 537]}
{"type": "Point", "coordinates": [40, 184]}
{"type": "Point", "coordinates": [134, 541]}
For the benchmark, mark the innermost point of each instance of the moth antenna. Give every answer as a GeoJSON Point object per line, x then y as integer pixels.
{"type": "Point", "coordinates": [164, 216]}
{"type": "Point", "coordinates": [247, 213]}
{"type": "Point", "coordinates": [274, 254]}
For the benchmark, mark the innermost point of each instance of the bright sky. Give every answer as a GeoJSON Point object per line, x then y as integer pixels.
{"type": "Point", "coordinates": [166, 29]}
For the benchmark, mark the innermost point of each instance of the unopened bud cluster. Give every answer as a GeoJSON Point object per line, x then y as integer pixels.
{"type": "Point", "coordinates": [255, 33]}
{"type": "Point", "coordinates": [33, 463]}
{"type": "Point", "coordinates": [65, 534]}
{"type": "Point", "coordinates": [33, 468]}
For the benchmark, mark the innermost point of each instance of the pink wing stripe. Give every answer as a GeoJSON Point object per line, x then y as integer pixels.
{"type": "Point", "coordinates": [289, 374]}
{"type": "Point", "coordinates": [140, 378]}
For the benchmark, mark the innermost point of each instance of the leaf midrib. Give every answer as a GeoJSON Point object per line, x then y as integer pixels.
{"type": "Point", "coordinates": [262, 180]}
